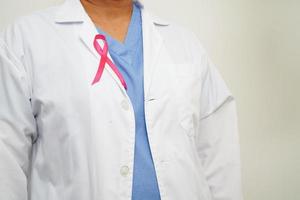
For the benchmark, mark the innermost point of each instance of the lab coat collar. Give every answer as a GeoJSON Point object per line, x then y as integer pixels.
{"type": "Point", "coordinates": [72, 11]}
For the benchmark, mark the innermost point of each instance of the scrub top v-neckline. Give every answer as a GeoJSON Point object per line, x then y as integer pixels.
{"type": "Point", "coordinates": [128, 57]}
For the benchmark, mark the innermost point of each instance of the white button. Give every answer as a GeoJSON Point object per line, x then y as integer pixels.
{"type": "Point", "coordinates": [124, 170]}
{"type": "Point", "coordinates": [125, 105]}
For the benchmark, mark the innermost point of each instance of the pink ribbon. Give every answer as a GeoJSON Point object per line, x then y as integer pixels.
{"type": "Point", "coordinates": [104, 59]}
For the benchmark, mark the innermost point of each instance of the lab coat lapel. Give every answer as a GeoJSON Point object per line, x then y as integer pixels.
{"type": "Point", "coordinates": [152, 43]}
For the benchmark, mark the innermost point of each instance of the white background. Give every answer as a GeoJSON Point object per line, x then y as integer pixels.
{"type": "Point", "coordinates": [256, 46]}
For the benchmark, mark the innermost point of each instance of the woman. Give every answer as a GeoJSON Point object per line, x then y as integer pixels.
{"type": "Point", "coordinates": [102, 100]}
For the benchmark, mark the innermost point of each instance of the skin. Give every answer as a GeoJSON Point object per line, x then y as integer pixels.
{"type": "Point", "coordinates": [112, 16]}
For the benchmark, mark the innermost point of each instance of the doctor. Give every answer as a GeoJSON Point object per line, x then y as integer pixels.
{"type": "Point", "coordinates": [100, 99]}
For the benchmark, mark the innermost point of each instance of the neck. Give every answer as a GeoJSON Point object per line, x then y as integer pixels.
{"type": "Point", "coordinates": [113, 16]}
{"type": "Point", "coordinates": [108, 9]}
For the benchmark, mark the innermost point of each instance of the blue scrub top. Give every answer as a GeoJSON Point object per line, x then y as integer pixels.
{"type": "Point", "coordinates": [128, 57]}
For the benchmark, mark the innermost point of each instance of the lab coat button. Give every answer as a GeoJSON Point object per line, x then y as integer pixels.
{"type": "Point", "coordinates": [125, 105]}
{"type": "Point", "coordinates": [124, 170]}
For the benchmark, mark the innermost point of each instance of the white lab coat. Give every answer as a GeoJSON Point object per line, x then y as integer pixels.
{"type": "Point", "coordinates": [62, 138]}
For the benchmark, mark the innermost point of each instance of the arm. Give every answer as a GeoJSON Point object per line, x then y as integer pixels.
{"type": "Point", "coordinates": [217, 141]}
{"type": "Point", "coordinates": [17, 127]}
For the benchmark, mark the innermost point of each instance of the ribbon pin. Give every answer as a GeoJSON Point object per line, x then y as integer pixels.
{"type": "Point", "coordinates": [104, 59]}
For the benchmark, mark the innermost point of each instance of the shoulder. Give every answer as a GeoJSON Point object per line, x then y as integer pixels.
{"type": "Point", "coordinates": [173, 30]}
{"type": "Point", "coordinates": [183, 37]}
{"type": "Point", "coordinates": [180, 40]}
{"type": "Point", "coordinates": [15, 34]}
{"type": "Point", "coordinates": [35, 18]}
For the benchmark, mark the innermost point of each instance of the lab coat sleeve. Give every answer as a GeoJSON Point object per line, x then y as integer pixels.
{"type": "Point", "coordinates": [17, 127]}
{"type": "Point", "coordinates": [218, 141]}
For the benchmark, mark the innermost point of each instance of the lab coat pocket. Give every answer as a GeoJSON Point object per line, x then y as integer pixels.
{"type": "Point", "coordinates": [184, 78]}
{"type": "Point", "coordinates": [184, 69]}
